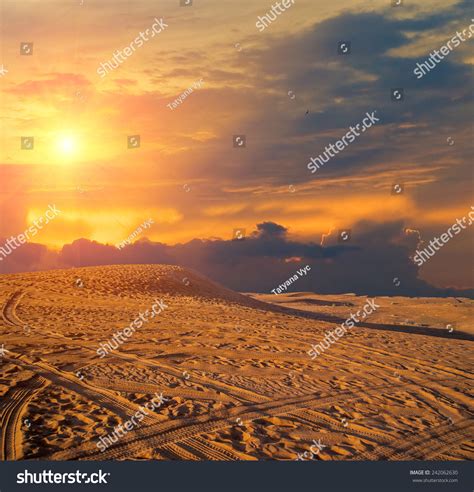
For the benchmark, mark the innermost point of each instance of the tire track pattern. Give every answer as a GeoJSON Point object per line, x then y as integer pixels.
{"type": "Point", "coordinates": [12, 409]}
{"type": "Point", "coordinates": [426, 445]}
{"type": "Point", "coordinates": [179, 430]}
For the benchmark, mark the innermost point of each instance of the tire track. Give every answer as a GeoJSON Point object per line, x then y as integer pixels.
{"type": "Point", "coordinates": [426, 445]}
{"type": "Point", "coordinates": [232, 391]}
{"type": "Point", "coordinates": [11, 412]}
{"type": "Point", "coordinates": [364, 359]}
{"type": "Point", "coordinates": [207, 451]}
{"type": "Point", "coordinates": [177, 452]}
{"type": "Point", "coordinates": [8, 309]}
{"type": "Point", "coordinates": [136, 387]}
{"type": "Point", "coordinates": [116, 404]}
{"type": "Point", "coordinates": [448, 370]}
{"type": "Point", "coordinates": [310, 419]}
{"type": "Point", "coordinates": [174, 431]}
{"type": "Point", "coordinates": [168, 434]}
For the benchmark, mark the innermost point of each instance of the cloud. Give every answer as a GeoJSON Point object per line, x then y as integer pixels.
{"type": "Point", "coordinates": [55, 82]}
{"type": "Point", "coordinates": [29, 257]}
{"type": "Point", "coordinates": [270, 229]}
{"type": "Point", "coordinates": [375, 261]}
{"type": "Point", "coordinates": [244, 92]}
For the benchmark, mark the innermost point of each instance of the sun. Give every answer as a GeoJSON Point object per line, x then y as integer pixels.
{"type": "Point", "coordinates": [67, 145]}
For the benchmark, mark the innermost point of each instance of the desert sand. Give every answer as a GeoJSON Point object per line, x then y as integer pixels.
{"type": "Point", "coordinates": [234, 370]}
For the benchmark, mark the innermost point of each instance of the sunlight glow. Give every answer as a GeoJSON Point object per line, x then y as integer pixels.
{"type": "Point", "coordinates": [67, 145]}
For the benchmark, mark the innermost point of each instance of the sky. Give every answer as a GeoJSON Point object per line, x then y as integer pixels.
{"type": "Point", "coordinates": [288, 90]}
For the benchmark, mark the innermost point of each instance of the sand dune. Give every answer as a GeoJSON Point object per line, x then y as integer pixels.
{"type": "Point", "coordinates": [234, 370]}
{"type": "Point", "coordinates": [450, 317]}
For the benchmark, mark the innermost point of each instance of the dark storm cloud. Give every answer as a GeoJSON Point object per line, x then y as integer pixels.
{"type": "Point", "coordinates": [344, 88]}
{"type": "Point", "coordinates": [26, 258]}
{"type": "Point", "coordinates": [375, 261]}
